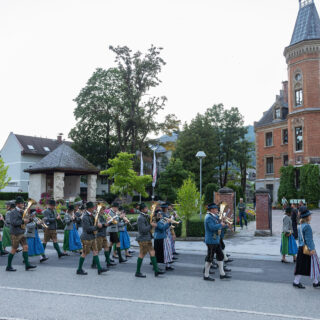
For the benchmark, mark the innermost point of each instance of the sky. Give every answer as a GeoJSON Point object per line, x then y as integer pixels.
{"type": "Point", "coordinates": [228, 52]}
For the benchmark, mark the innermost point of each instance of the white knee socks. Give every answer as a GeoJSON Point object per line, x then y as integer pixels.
{"type": "Point", "coordinates": [225, 256]}
{"type": "Point", "coordinates": [207, 269]}
{"type": "Point", "coordinates": [221, 271]}
{"type": "Point", "coordinates": [297, 279]}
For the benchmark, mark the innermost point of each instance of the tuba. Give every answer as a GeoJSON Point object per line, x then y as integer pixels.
{"type": "Point", "coordinates": [31, 202]}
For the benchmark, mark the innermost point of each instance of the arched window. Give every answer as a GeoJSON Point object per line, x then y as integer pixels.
{"type": "Point", "coordinates": [298, 91]}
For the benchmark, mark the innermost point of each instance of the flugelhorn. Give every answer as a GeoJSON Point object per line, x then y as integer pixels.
{"type": "Point", "coordinates": [41, 222]}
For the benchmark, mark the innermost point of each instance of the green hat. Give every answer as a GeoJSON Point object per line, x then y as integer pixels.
{"type": "Point", "coordinates": [90, 205]}
{"type": "Point", "coordinates": [19, 200]}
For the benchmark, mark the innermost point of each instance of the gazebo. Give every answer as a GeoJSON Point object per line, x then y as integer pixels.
{"type": "Point", "coordinates": [59, 173]}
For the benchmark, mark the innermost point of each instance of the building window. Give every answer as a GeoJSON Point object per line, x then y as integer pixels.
{"type": "Point", "coordinates": [298, 77]}
{"type": "Point", "coordinates": [46, 149]}
{"type": "Point", "coordinates": [269, 165]}
{"type": "Point", "coordinates": [285, 160]}
{"type": "Point", "coordinates": [299, 98]}
{"type": "Point", "coordinates": [277, 113]}
{"type": "Point", "coordinates": [104, 180]}
{"type": "Point", "coordinates": [269, 139]}
{"type": "Point", "coordinates": [285, 136]}
{"type": "Point", "coordinates": [299, 138]}
{"type": "Point", "coordinates": [30, 147]}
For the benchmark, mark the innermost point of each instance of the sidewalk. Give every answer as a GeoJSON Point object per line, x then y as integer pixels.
{"type": "Point", "coordinates": [244, 244]}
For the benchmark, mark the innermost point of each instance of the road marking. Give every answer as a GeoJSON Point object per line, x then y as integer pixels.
{"type": "Point", "coordinates": [159, 303]}
{"type": "Point", "coordinates": [11, 318]}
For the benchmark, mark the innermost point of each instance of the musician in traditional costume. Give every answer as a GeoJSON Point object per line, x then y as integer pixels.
{"type": "Point", "coordinates": [113, 231]}
{"type": "Point", "coordinates": [71, 241]}
{"type": "Point", "coordinates": [213, 229]}
{"type": "Point", "coordinates": [123, 233]}
{"type": "Point", "coordinates": [17, 232]}
{"type": "Point", "coordinates": [78, 211]}
{"type": "Point", "coordinates": [288, 243]}
{"type": "Point", "coordinates": [173, 216]}
{"type": "Point", "coordinates": [35, 247]}
{"type": "Point", "coordinates": [6, 242]}
{"type": "Point", "coordinates": [145, 242]}
{"type": "Point", "coordinates": [88, 238]}
{"type": "Point", "coordinates": [50, 217]}
{"type": "Point", "coordinates": [307, 260]}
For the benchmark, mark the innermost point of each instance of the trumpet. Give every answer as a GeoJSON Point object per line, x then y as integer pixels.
{"type": "Point", "coordinates": [31, 202]}
{"type": "Point", "coordinates": [112, 219]}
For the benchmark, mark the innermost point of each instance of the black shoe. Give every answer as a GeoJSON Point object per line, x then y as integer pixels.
{"type": "Point", "coordinates": [102, 270]}
{"type": "Point", "coordinates": [169, 268]}
{"type": "Point", "coordinates": [229, 260]}
{"type": "Point", "coordinates": [93, 266]}
{"type": "Point", "coordinates": [228, 255]}
{"type": "Point", "coordinates": [10, 269]}
{"type": "Point", "coordinates": [82, 272]}
{"type": "Point", "coordinates": [171, 262]}
{"type": "Point", "coordinates": [210, 271]}
{"type": "Point", "coordinates": [208, 278]}
{"type": "Point", "coordinates": [122, 260]}
{"type": "Point", "coordinates": [140, 275]}
{"type": "Point", "coordinates": [156, 273]}
{"type": "Point", "coordinates": [316, 285]}
{"type": "Point", "coordinates": [131, 251]}
{"type": "Point", "coordinates": [226, 276]}
{"type": "Point", "coordinates": [226, 269]}
{"type": "Point", "coordinates": [30, 266]}
{"type": "Point", "coordinates": [176, 253]}
{"type": "Point", "coordinates": [111, 260]}
{"type": "Point", "coordinates": [4, 252]}
{"type": "Point", "coordinates": [299, 286]}
{"type": "Point", "coordinates": [43, 259]}
{"type": "Point", "coordinates": [62, 255]}
{"type": "Point", "coordinates": [174, 258]}
{"type": "Point", "coordinates": [111, 264]}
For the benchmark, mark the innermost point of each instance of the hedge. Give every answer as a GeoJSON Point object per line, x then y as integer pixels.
{"type": "Point", "coordinates": [13, 195]}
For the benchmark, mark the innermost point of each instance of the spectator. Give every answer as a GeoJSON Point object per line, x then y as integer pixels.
{"type": "Point", "coordinates": [284, 202]}
{"type": "Point", "coordinates": [242, 213]}
{"type": "Point", "coordinates": [288, 244]}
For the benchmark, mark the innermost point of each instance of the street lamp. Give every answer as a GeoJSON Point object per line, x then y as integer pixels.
{"type": "Point", "coordinates": [200, 155]}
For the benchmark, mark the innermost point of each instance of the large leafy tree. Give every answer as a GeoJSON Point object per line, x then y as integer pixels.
{"type": "Point", "coordinates": [4, 179]}
{"type": "Point", "coordinates": [171, 180]}
{"type": "Point", "coordinates": [125, 179]}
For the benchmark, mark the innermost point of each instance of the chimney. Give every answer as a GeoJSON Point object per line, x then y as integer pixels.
{"type": "Point", "coordinates": [285, 91]}
{"type": "Point", "coordinates": [59, 138]}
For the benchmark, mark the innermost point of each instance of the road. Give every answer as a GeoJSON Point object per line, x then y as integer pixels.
{"type": "Point", "coordinates": [258, 290]}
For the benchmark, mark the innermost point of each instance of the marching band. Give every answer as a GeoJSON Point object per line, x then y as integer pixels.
{"type": "Point", "coordinates": [86, 230]}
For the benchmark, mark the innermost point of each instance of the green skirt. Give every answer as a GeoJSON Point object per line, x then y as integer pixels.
{"type": "Point", "coordinates": [284, 244]}
{"type": "Point", "coordinates": [66, 240]}
{"type": "Point", "coordinates": [6, 240]}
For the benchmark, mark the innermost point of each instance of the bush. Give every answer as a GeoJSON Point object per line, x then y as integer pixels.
{"type": "Point", "coordinates": [209, 189]}
{"type": "Point", "coordinates": [13, 195]}
{"type": "Point", "coordinates": [310, 184]}
{"type": "Point", "coordinates": [287, 183]}
{"type": "Point", "coordinates": [195, 227]}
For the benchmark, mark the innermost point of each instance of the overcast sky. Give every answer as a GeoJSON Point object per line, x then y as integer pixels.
{"type": "Point", "coordinates": [228, 52]}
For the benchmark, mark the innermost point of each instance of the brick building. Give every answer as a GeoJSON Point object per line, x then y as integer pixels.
{"type": "Point", "coordinates": [289, 132]}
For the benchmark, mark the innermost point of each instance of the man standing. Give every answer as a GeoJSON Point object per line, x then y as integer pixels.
{"type": "Point", "coordinates": [212, 239]}
{"type": "Point", "coordinates": [145, 243]}
{"type": "Point", "coordinates": [242, 213]}
{"type": "Point", "coordinates": [88, 239]}
{"type": "Point", "coordinates": [50, 216]}
{"type": "Point", "coordinates": [6, 242]}
{"type": "Point", "coordinates": [17, 230]}
{"type": "Point", "coordinates": [113, 231]}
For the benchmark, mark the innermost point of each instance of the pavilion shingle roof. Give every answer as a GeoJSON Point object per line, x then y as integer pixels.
{"type": "Point", "coordinates": [63, 159]}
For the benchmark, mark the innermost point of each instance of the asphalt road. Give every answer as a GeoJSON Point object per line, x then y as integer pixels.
{"type": "Point", "coordinates": [258, 290]}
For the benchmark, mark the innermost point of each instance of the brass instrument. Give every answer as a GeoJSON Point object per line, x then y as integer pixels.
{"type": "Point", "coordinates": [100, 205]}
{"type": "Point", "coordinates": [31, 202]}
{"type": "Point", "coordinates": [41, 222]}
{"type": "Point", "coordinates": [108, 217]}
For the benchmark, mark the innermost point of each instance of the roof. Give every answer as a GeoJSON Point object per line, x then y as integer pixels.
{"type": "Point", "coordinates": [63, 159]}
{"type": "Point", "coordinates": [308, 23]}
{"type": "Point", "coordinates": [38, 146]}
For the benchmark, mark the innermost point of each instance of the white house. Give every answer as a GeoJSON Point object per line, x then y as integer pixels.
{"type": "Point", "coordinates": [20, 152]}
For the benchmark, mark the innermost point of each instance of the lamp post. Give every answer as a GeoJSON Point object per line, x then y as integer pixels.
{"type": "Point", "coordinates": [200, 155]}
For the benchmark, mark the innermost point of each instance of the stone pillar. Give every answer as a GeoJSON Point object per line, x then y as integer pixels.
{"type": "Point", "coordinates": [92, 187]}
{"type": "Point", "coordinates": [263, 225]}
{"type": "Point", "coordinates": [58, 185]}
{"type": "Point", "coordinates": [226, 195]}
{"type": "Point", "coordinates": [37, 185]}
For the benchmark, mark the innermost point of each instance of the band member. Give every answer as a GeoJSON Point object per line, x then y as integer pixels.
{"type": "Point", "coordinates": [6, 241]}
{"type": "Point", "coordinates": [145, 242]}
{"type": "Point", "coordinates": [123, 233]}
{"type": "Point", "coordinates": [17, 224]}
{"type": "Point", "coordinates": [102, 242]}
{"type": "Point", "coordinates": [226, 259]}
{"type": "Point", "coordinates": [173, 216]}
{"type": "Point", "coordinates": [88, 238]}
{"type": "Point", "coordinates": [113, 231]}
{"type": "Point", "coordinates": [78, 209]}
{"type": "Point", "coordinates": [71, 241]}
{"type": "Point", "coordinates": [212, 239]}
{"type": "Point", "coordinates": [35, 247]}
{"type": "Point", "coordinates": [161, 241]}
{"type": "Point", "coordinates": [50, 217]}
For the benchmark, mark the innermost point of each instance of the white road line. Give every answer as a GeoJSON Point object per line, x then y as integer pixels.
{"type": "Point", "coordinates": [168, 304]}
{"type": "Point", "coordinates": [1, 318]}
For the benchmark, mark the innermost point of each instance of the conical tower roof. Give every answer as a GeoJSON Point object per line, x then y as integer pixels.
{"type": "Point", "coordinates": [63, 159]}
{"type": "Point", "coordinates": [308, 23]}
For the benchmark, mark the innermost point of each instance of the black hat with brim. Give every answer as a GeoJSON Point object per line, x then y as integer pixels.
{"type": "Point", "coordinates": [115, 205]}
{"type": "Point", "coordinates": [142, 206]}
{"type": "Point", "coordinates": [288, 209]}
{"type": "Point", "coordinates": [305, 214]}
{"type": "Point", "coordinates": [90, 205]}
{"type": "Point", "coordinates": [212, 206]}
{"type": "Point", "coordinates": [71, 207]}
{"type": "Point", "coordinates": [52, 202]}
{"type": "Point", "coordinates": [19, 200]}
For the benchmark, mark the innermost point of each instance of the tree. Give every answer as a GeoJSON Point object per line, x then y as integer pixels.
{"type": "Point", "coordinates": [287, 187]}
{"type": "Point", "coordinates": [125, 179]}
{"type": "Point", "coordinates": [4, 179]}
{"type": "Point", "coordinates": [209, 190]}
{"type": "Point", "coordinates": [171, 180]}
{"type": "Point", "coordinates": [310, 184]}
{"type": "Point", "coordinates": [189, 202]}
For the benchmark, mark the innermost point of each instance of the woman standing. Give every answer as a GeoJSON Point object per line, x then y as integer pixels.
{"type": "Point", "coordinates": [71, 241]}
{"type": "Point", "coordinates": [123, 233]}
{"type": "Point", "coordinates": [307, 260]}
{"type": "Point", "coordinates": [288, 244]}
